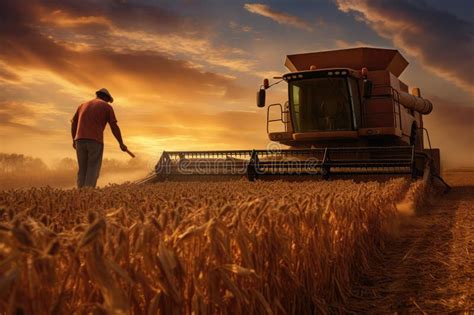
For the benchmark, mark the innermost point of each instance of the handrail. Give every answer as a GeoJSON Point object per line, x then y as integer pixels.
{"type": "Point", "coordinates": [274, 120]}
{"type": "Point", "coordinates": [427, 136]}
{"type": "Point", "coordinates": [429, 141]}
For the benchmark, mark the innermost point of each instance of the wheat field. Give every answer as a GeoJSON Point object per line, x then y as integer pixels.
{"type": "Point", "coordinates": [192, 248]}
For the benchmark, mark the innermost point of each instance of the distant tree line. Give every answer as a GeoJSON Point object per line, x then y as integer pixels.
{"type": "Point", "coordinates": [13, 162]}
{"type": "Point", "coordinates": [19, 170]}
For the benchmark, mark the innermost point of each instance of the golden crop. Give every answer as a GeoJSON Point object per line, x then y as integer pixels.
{"type": "Point", "coordinates": [191, 248]}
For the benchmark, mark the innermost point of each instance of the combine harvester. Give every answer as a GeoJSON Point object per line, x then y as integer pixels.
{"type": "Point", "coordinates": [347, 114]}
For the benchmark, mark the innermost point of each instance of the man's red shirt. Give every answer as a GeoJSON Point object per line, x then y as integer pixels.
{"type": "Point", "coordinates": [92, 117]}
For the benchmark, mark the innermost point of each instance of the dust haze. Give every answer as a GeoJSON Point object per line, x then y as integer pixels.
{"type": "Point", "coordinates": [22, 171]}
{"type": "Point", "coordinates": [451, 128]}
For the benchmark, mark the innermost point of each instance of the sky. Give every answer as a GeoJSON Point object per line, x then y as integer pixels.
{"type": "Point", "coordinates": [184, 73]}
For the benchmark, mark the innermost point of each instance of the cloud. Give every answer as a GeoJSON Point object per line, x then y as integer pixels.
{"type": "Point", "coordinates": [25, 45]}
{"type": "Point", "coordinates": [443, 42]}
{"type": "Point", "coordinates": [240, 28]}
{"type": "Point", "coordinates": [279, 17]}
{"type": "Point", "coordinates": [26, 117]}
{"type": "Point", "coordinates": [7, 74]}
{"type": "Point", "coordinates": [129, 15]}
{"type": "Point", "coordinates": [138, 27]}
{"type": "Point", "coordinates": [199, 50]}
{"type": "Point", "coordinates": [164, 74]}
{"type": "Point", "coordinates": [61, 18]}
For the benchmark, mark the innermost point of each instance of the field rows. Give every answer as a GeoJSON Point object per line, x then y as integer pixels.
{"type": "Point", "coordinates": [183, 248]}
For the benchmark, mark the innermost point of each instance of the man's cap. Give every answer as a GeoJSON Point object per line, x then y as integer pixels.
{"type": "Point", "coordinates": [106, 92]}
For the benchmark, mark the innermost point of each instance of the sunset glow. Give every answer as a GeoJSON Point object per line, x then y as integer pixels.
{"type": "Point", "coordinates": [184, 73]}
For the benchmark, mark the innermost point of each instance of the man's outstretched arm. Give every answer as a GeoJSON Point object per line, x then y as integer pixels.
{"type": "Point", "coordinates": [118, 135]}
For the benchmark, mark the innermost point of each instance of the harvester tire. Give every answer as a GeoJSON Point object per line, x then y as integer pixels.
{"type": "Point", "coordinates": [325, 171]}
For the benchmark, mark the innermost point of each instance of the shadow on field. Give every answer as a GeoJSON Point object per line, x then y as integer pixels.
{"type": "Point", "coordinates": [413, 274]}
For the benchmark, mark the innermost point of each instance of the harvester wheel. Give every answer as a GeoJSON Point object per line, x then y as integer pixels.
{"type": "Point", "coordinates": [251, 172]}
{"type": "Point", "coordinates": [325, 171]}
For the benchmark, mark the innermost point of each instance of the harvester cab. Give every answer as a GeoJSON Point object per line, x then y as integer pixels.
{"type": "Point", "coordinates": [347, 113]}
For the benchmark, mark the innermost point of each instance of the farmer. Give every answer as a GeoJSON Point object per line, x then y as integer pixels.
{"type": "Point", "coordinates": [87, 130]}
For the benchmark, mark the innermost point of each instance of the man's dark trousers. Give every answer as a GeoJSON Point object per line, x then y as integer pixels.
{"type": "Point", "coordinates": [89, 157]}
